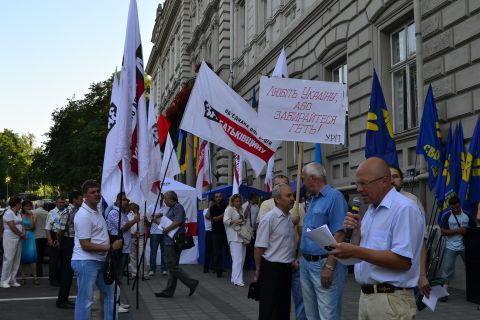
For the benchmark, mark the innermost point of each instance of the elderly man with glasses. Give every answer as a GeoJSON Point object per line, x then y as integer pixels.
{"type": "Point", "coordinates": [388, 240]}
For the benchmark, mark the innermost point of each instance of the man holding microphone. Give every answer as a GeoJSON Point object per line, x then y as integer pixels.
{"type": "Point", "coordinates": [388, 240]}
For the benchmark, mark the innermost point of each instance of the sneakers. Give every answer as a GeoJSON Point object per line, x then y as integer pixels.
{"type": "Point", "coordinates": [164, 272]}
{"type": "Point", "coordinates": [120, 309]}
{"type": "Point", "coordinates": [125, 306]}
{"type": "Point", "coordinates": [15, 284]}
{"type": "Point", "coordinates": [241, 284]}
{"type": "Point", "coordinates": [5, 285]}
{"type": "Point", "coordinates": [146, 277]}
{"type": "Point", "coordinates": [151, 273]}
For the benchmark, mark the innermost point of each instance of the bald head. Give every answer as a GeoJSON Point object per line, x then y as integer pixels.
{"type": "Point", "coordinates": [374, 166]}
{"type": "Point", "coordinates": [373, 180]}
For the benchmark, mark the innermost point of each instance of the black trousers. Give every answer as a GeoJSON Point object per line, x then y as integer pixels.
{"type": "Point", "coordinates": [54, 270]}
{"type": "Point", "coordinates": [275, 285]}
{"type": "Point", "coordinates": [41, 245]}
{"type": "Point", "coordinates": [175, 272]}
{"type": "Point", "coordinates": [208, 251]}
{"type": "Point", "coordinates": [220, 245]}
{"type": "Point", "coordinates": [66, 251]}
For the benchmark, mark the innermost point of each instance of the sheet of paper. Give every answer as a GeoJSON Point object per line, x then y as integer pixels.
{"type": "Point", "coordinates": [323, 237]}
{"type": "Point", "coordinates": [165, 222]}
{"type": "Point", "coordinates": [436, 293]}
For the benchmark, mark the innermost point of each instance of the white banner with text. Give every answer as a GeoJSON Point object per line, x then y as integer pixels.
{"type": "Point", "coordinates": [302, 110]}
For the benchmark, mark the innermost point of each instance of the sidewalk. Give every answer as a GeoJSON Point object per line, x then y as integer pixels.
{"type": "Point", "coordinates": [216, 298]}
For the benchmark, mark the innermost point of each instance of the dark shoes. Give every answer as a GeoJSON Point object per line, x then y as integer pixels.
{"type": "Point", "coordinates": [193, 288]}
{"type": "Point", "coordinates": [443, 299]}
{"type": "Point", "coordinates": [162, 295]}
{"type": "Point", "coordinates": [66, 305]}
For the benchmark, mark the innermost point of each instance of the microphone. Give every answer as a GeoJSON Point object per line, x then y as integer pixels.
{"type": "Point", "coordinates": [355, 209]}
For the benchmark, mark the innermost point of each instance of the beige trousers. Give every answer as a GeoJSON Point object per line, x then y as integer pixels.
{"type": "Point", "coordinates": [399, 305]}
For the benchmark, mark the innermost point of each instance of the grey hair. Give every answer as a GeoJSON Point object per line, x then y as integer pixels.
{"type": "Point", "coordinates": [39, 203]}
{"type": "Point", "coordinates": [171, 195]}
{"type": "Point", "coordinates": [316, 170]}
{"type": "Point", "coordinates": [277, 190]}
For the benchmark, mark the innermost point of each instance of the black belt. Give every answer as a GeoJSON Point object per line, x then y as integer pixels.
{"type": "Point", "coordinates": [381, 288]}
{"type": "Point", "coordinates": [309, 257]}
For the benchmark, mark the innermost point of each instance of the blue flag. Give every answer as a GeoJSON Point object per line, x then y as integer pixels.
{"type": "Point", "coordinates": [429, 141]}
{"type": "Point", "coordinates": [254, 100]}
{"type": "Point", "coordinates": [444, 189]}
{"type": "Point", "coordinates": [379, 138]}
{"type": "Point", "coordinates": [182, 151]}
{"type": "Point", "coordinates": [459, 156]}
{"type": "Point", "coordinates": [469, 192]}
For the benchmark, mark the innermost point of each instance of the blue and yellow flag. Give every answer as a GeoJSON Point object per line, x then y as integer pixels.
{"type": "Point", "coordinates": [429, 141]}
{"type": "Point", "coordinates": [379, 138]}
{"type": "Point", "coordinates": [182, 151]}
{"type": "Point", "coordinates": [458, 162]}
{"type": "Point", "coordinates": [445, 186]}
{"type": "Point", "coordinates": [469, 191]}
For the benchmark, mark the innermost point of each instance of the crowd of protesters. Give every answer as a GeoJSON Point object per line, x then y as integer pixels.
{"type": "Point", "coordinates": [270, 237]}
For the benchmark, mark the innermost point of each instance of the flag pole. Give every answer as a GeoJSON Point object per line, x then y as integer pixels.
{"type": "Point", "coordinates": [119, 237]}
{"type": "Point", "coordinates": [299, 177]}
{"type": "Point", "coordinates": [154, 210]}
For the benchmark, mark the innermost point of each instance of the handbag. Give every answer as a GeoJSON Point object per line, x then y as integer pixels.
{"type": "Point", "coordinates": [109, 272]}
{"type": "Point", "coordinates": [254, 291]}
{"type": "Point", "coordinates": [245, 232]}
{"type": "Point", "coordinates": [183, 241]}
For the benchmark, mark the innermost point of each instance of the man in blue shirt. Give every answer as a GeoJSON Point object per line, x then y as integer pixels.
{"type": "Point", "coordinates": [322, 279]}
{"type": "Point", "coordinates": [454, 226]}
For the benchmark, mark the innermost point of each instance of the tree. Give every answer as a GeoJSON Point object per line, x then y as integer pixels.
{"type": "Point", "coordinates": [15, 161]}
{"type": "Point", "coordinates": [75, 144]}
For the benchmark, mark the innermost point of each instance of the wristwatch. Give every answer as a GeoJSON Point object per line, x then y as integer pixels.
{"type": "Point", "coordinates": [329, 267]}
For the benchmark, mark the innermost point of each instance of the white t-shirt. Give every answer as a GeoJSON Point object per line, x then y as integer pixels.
{"type": "Point", "coordinates": [89, 224]}
{"type": "Point", "coordinates": [154, 229]}
{"type": "Point", "coordinates": [9, 215]}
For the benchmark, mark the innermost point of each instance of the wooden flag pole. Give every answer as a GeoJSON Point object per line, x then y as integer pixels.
{"type": "Point", "coordinates": [299, 178]}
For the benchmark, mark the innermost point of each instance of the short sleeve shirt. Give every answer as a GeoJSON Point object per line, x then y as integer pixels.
{"type": "Point", "coordinates": [66, 221]}
{"type": "Point", "coordinates": [176, 213]}
{"type": "Point", "coordinates": [112, 224]}
{"type": "Point", "coordinates": [396, 224]}
{"type": "Point", "coordinates": [276, 233]}
{"type": "Point", "coordinates": [154, 229]}
{"type": "Point", "coordinates": [53, 219]}
{"type": "Point", "coordinates": [328, 207]}
{"type": "Point", "coordinates": [89, 224]}
{"type": "Point", "coordinates": [455, 242]}
{"type": "Point", "coordinates": [9, 215]}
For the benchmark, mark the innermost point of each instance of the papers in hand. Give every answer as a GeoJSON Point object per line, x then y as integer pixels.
{"type": "Point", "coordinates": [436, 293]}
{"type": "Point", "coordinates": [165, 222]}
{"type": "Point", "coordinates": [323, 237]}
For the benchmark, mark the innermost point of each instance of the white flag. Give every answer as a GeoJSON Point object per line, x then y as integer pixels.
{"type": "Point", "coordinates": [219, 115]}
{"type": "Point", "coordinates": [204, 176]}
{"type": "Point", "coordinates": [169, 162]}
{"type": "Point", "coordinates": [280, 71]}
{"type": "Point", "coordinates": [132, 88]}
{"type": "Point", "coordinates": [111, 173]}
{"type": "Point", "coordinates": [237, 173]}
{"type": "Point", "coordinates": [150, 182]}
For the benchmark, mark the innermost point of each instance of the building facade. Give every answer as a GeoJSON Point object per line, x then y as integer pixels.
{"type": "Point", "coordinates": [410, 43]}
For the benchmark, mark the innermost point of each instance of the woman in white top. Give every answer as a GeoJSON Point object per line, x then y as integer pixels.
{"type": "Point", "coordinates": [233, 217]}
{"type": "Point", "coordinates": [13, 233]}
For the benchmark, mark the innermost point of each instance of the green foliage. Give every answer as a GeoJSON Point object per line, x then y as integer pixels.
{"type": "Point", "coordinates": [15, 161]}
{"type": "Point", "coordinates": [75, 144]}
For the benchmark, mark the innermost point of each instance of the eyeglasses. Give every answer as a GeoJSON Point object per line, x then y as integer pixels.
{"type": "Point", "coordinates": [366, 183]}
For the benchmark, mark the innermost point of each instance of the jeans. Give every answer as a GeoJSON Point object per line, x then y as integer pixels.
{"type": "Point", "coordinates": [448, 263]}
{"type": "Point", "coordinates": [321, 303]}
{"type": "Point", "coordinates": [155, 241]}
{"type": "Point", "coordinates": [89, 273]}
{"type": "Point", "coordinates": [297, 296]}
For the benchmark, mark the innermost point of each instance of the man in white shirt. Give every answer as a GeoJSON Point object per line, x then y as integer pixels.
{"type": "Point", "coordinates": [388, 241]}
{"type": "Point", "coordinates": [157, 239]}
{"type": "Point", "coordinates": [91, 246]}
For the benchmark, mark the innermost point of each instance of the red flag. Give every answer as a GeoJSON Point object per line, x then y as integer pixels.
{"type": "Point", "coordinates": [163, 125]}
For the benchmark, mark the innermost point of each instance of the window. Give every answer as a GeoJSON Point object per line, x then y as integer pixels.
{"type": "Point", "coordinates": [404, 82]}
{"type": "Point", "coordinates": [339, 74]}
